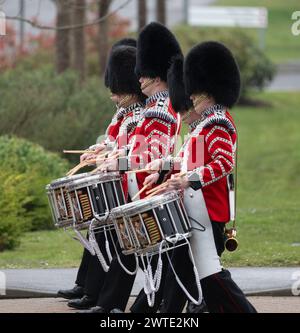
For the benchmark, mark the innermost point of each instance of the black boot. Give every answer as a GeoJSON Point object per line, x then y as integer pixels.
{"type": "Point", "coordinates": [83, 303]}
{"type": "Point", "coordinates": [193, 308]}
{"type": "Point", "coordinates": [95, 309]}
{"type": "Point", "coordinates": [76, 292]}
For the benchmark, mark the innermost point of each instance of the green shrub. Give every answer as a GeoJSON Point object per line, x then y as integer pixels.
{"type": "Point", "coordinates": [256, 69]}
{"type": "Point", "coordinates": [53, 110]}
{"type": "Point", "coordinates": [34, 168]}
{"type": "Point", "coordinates": [14, 197]}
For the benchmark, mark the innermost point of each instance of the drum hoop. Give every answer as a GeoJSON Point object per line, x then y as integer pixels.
{"type": "Point", "coordinates": [154, 249]}
{"type": "Point", "coordinates": [93, 180]}
{"type": "Point", "coordinates": [64, 223]}
{"type": "Point", "coordinates": [60, 182]}
{"type": "Point", "coordinates": [145, 204]}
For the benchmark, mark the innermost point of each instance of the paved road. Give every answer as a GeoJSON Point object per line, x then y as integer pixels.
{"type": "Point", "coordinates": [286, 81]}
{"type": "Point", "coordinates": [56, 305]}
{"type": "Point", "coordinates": [46, 282]}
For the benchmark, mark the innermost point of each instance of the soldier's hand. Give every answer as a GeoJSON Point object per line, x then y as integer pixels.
{"type": "Point", "coordinates": [151, 179]}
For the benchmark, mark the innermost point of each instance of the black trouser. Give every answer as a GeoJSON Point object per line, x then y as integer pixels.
{"type": "Point", "coordinates": [141, 303]}
{"type": "Point", "coordinates": [174, 297]}
{"type": "Point", "coordinates": [83, 268]}
{"type": "Point", "coordinates": [91, 274]}
{"type": "Point", "coordinates": [220, 292]}
{"type": "Point", "coordinates": [118, 284]}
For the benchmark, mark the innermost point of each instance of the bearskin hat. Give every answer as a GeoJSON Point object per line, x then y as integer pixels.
{"type": "Point", "coordinates": [121, 42]}
{"type": "Point", "coordinates": [211, 68]}
{"type": "Point", "coordinates": [156, 46]}
{"type": "Point", "coordinates": [181, 102]}
{"type": "Point", "coordinates": [121, 75]}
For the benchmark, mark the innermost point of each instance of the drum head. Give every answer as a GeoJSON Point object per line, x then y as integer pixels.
{"type": "Point", "coordinates": [65, 180]}
{"type": "Point", "coordinates": [141, 206]}
{"type": "Point", "coordinates": [93, 179]}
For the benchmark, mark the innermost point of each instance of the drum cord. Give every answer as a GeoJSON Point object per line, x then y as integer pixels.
{"type": "Point", "coordinates": [96, 248]}
{"type": "Point", "coordinates": [152, 284]}
{"type": "Point", "coordinates": [196, 274]}
{"type": "Point", "coordinates": [107, 247]}
{"type": "Point", "coordinates": [126, 269]}
{"type": "Point", "coordinates": [120, 261]}
{"type": "Point", "coordinates": [86, 243]}
{"type": "Point", "coordinates": [148, 285]}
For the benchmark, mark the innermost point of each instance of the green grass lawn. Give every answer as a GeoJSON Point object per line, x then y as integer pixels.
{"type": "Point", "coordinates": [268, 183]}
{"type": "Point", "coordinates": [281, 45]}
{"type": "Point", "coordinates": [43, 249]}
{"type": "Point", "coordinates": [268, 218]}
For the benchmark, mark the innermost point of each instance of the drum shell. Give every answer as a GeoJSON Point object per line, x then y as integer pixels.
{"type": "Point", "coordinates": [58, 200]}
{"type": "Point", "coordinates": [142, 225]}
{"type": "Point", "coordinates": [94, 197]}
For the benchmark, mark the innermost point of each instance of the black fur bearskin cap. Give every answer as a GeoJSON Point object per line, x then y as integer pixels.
{"type": "Point", "coordinates": [121, 42]}
{"type": "Point", "coordinates": [156, 46]}
{"type": "Point", "coordinates": [211, 68]}
{"type": "Point", "coordinates": [181, 102]}
{"type": "Point", "coordinates": [121, 75]}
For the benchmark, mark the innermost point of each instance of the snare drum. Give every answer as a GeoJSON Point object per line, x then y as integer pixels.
{"type": "Point", "coordinates": [93, 197]}
{"type": "Point", "coordinates": [59, 200]}
{"type": "Point", "coordinates": [142, 225]}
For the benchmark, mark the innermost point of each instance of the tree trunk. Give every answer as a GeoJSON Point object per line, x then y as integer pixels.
{"type": "Point", "coordinates": [78, 38]}
{"type": "Point", "coordinates": [63, 36]}
{"type": "Point", "coordinates": [103, 34]}
{"type": "Point", "coordinates": [161, 11]}
{"type": "Point", "coordinates": [142, 14]}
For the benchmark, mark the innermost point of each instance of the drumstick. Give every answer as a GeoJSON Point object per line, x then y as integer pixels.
{"type": "Point", "coordinates": [101, 161]}
{"type": "Point", "coordinates": [163, 185]}
{"type": "Point", "coordinates": [156, 190]}
{"type": "Point", "coordinates": [78, 151]}
{"type": "Point", "coordinates": [101, 155]}
{"type": "Point", "coordinates": [108, 158]}
{"type": "Point", "coordinates": [157, 187]}
{"type": "Point", "coordinates": [141, 170]}
{"type": "Point", "coordinates": [70, 171]}
{"type": "Point", "coordinates": [140, 192]}
{"type": "Point", "coordinates": [80, 166]}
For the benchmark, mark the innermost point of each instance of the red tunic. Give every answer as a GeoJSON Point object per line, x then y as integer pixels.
{"type": "Point", "coordinates": [208, 157]}
{"type": "Point", "coordinates": [154, 135]}
{"type": "Point", "coordinates": [130, 118]}
{"type": "Point", "coordinates": [112, 130]}
{"type": "Point", "coordinates": [218, 142]}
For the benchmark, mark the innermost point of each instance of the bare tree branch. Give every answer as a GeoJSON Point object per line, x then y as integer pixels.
{"type": "Point", "coordinates": [45, 27]}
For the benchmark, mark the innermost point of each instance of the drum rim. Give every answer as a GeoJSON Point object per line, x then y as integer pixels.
{"type": "Point", "coordinates": [153, 249]}
{"type": "Point", "coordinates": [133, 207]}
{"type": "Point", "coordinates": [57, 183]}
{"type": "Point", "coordinates": [93, 179]}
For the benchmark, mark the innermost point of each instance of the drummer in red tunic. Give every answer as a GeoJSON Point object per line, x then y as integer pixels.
{"type": "Point", "coordinates": [154, 134]}
{"type": "Point", "coordinates": [126, 93]}
{"type": "Point", "coordinates": [203, 168]}
{"type": "Point", "coordinates": [113, 128]}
